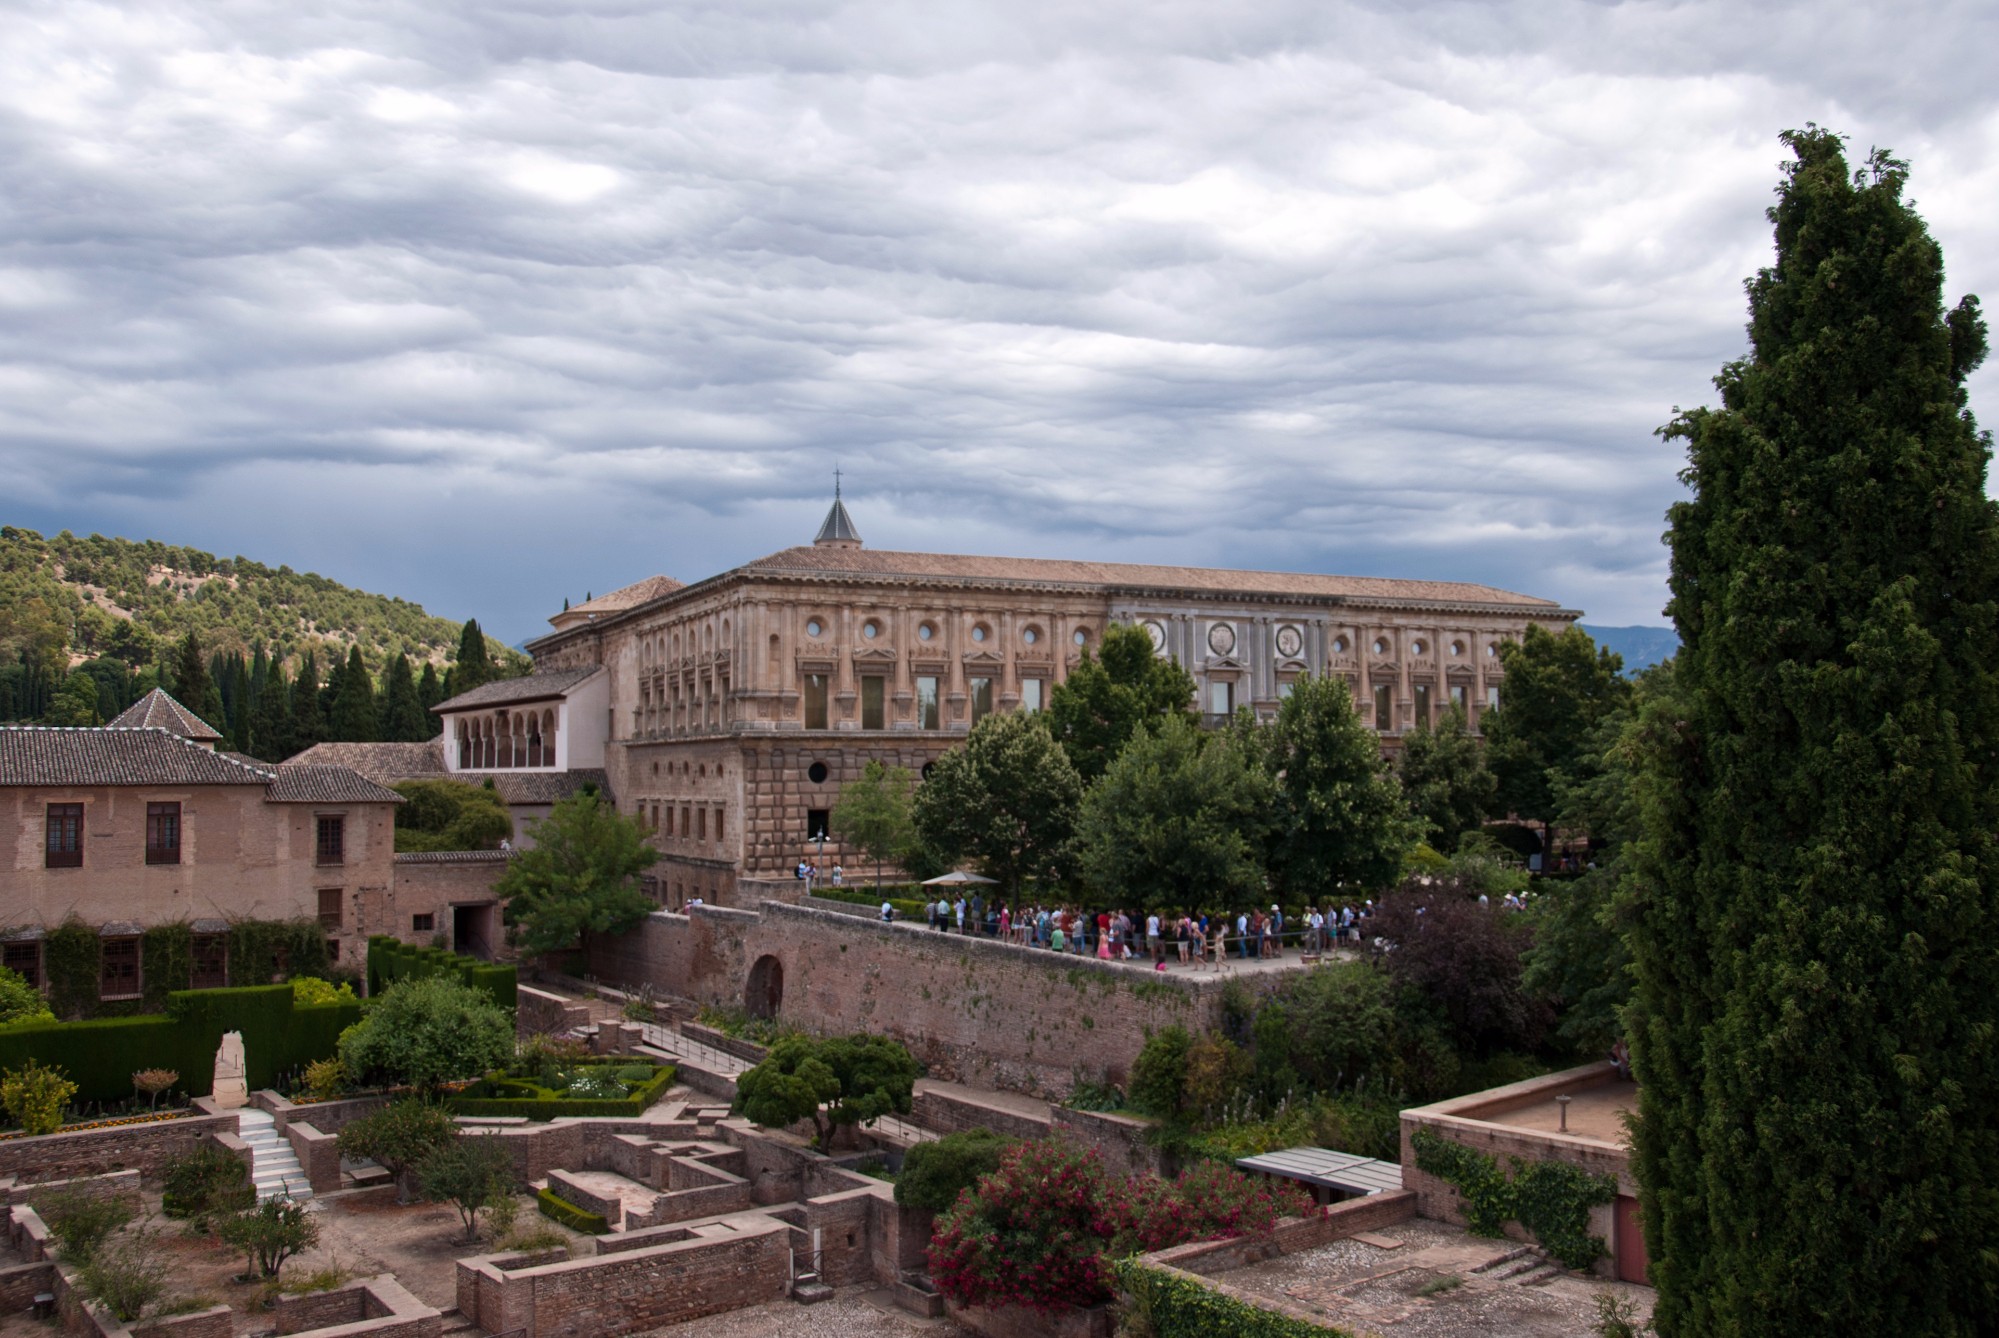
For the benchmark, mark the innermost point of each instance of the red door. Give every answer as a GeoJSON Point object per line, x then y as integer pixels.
{"type": "Point", "coordinates": [1633, 1264]}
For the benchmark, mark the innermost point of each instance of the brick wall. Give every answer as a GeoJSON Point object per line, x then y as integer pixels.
{"type": "Point", "coordinates": [950, 1112]}
{"type": "Point", "coordinates": [1119, 1139]}
{"type": "Point", "coordinates": [432, 887]}
{"type": "Point", "coordinates": [379, 1307]}
{"type": "Point", "coordinates": [974, 1009]}
{"type": "Point", "coordinates": [1292, 1235]}
{"type": "Point", "coordinates": [539, 1012]}
{"type": "Point", "coordinates": [144, 1148]}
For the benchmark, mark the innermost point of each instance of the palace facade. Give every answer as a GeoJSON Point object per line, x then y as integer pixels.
{"type": "Point", "coordinates": [734, 709]}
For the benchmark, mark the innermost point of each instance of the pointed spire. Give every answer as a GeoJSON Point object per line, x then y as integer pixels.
{"type": "Point", "coordinates": [838, 530]}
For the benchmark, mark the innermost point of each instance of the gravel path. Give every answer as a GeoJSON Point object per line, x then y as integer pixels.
{"type": "Point", "coordinates": [851, 1314]}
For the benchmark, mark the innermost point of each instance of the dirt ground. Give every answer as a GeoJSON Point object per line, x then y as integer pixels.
{"type": "Point", "coordinates": [851, 1314]}
{"type": "Point", "coordinates": [1381, 1291]}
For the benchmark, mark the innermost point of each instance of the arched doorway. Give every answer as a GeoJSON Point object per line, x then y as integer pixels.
{"type": "Point", "coordinates": [765, 994]}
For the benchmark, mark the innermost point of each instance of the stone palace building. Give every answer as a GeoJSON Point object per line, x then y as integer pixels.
{"type": "Point", "coordinates": [728, 713]}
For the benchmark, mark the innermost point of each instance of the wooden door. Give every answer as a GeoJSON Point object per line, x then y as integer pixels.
{"type": "Point", "coordinates": [1633, 1264]}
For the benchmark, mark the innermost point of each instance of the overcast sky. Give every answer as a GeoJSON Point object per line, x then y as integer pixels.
{"type": "Point", "coordinates": [489, 304]}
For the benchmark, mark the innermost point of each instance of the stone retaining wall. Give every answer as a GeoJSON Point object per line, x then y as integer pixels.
{"type": "Point", "coordinates": [144, 1148]}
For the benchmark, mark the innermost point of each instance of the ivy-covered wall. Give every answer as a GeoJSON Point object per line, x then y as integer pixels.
{"type": "Point", "coordinates": [260, 951]}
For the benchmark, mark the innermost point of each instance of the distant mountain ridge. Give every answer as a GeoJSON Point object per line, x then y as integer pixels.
{"type": "Point", "coordinates": [133, 599]}
{"type": "Point", "coordinates": [1641, 647]}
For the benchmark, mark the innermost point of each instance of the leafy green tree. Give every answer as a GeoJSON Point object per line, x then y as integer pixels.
{"type": "Point", "coordinates": [1340, 821]}
{"type": "Point", "coordinates": [874, 813]}
{"type": "Point", "coordinates": [470, 1173]}
{"type": "Point", "coordinates": [426, 1031]}
{"type": "Point", "coordinates": [1177, 820]}
{"type": "Point", "coordinates": [1106, 698]}
{"type": "Point", "coordinates": [20, 1001]}
{"type": "Point", "coordinates": [1816, 1027]}
{"type": "Point", "coordinates": [934, 1174]}
{"type": "Point", "coordinates": [450, 815]}
{"type": "Point", "coordinates": [1006, 800]}
{"type": "Point", "coordinates": [355, 715]}
{"type": "Point", "coordinates": [832, 1081]}
{"type": "Point", "coordinates": [1445, 779]}
{"type": "Point", "coordinates": [399, 1136]}
{"type": "Point", "coordinates": [403, 717]}
{"type": "Point", "coordinates": [271, 1233]}
{"type": "Point", "coordinates": [580, 877]}
{"type": "Point", "coordinates": [474, 668]}
{"type": "Point", "coordinates": [1557, 689]}
{"type": "Point", "coordinates": [76, 703]}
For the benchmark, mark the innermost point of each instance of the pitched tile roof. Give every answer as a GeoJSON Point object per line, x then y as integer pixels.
{"type": "Point", "coordinates": [296, 784]}
{"type": "Point", "coordinates": [453, 856]}
{"type": "Point", "coordinates": [863, 562]}
{"type": "Point", "coordinates": [157, 710]}
{"type": "Point", "coordinates": [382, 763]}
{"type": "Point", "coordinates": [838, 527]}
{"type": "Point", "coordinates": [628, 596]}
{"type": "Point", "coordinates": [539, 787]}
{"type": "Point", "coordinates": [505, 690]}
{"type": "Point", "coordinates": [34, 755]}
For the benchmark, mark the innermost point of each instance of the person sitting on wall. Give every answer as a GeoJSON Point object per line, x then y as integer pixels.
{"type": "Point", "coordinates": [888, 913]}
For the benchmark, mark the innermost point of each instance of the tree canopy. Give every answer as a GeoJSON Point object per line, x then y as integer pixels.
{"type": "Point", "coordinates": [1444, 776]}
{"type": "Point", "coordinates": [1006, 800]}
{"type": "Point", "coordinates": [1556, 690]}
{"type": "Point", "coordinates": [426, 1031]}
{"type": "Point", "coordinates": [1107, 697]}
{"type": "Point", "coordinates": [831, 1081]}
{"type": "Point", "coordinates": [1340, 819]}
{"type": "Point", "coordinates": [874, 813]}
{"type": "Point", "coordinates": [450, 815]}
{"type": "Point", "coordinates": [580, 877]}
{"type": "Point", "coordinates": [1816, 1027]}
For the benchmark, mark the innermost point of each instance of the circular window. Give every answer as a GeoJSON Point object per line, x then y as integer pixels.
{"type": "Point", "coordinates": [1457, 648]}
{"type": "Point", "coordinates": [1416, 648]}
{"type": "Point", "coordinates": [925, 632]}
{"type": "Point", "coordinates": [871, 630]}
{"type": "Point", "coordinates": [1380, 646]}
{"type": "Point", "coordinates": [1492, 652]}
{"type": "Point", "coordinates": [1339, 645]}
{"type": "Point", "coordinates": [816, 773]}
{"type": "Point", "coordinates": [814, 627]}
{"type": "Point", "coordinates": [928, 767]}
{"type": "Point", "coordinates": [1031, 635]}
{"type": "Point", "coordinates": [979, 632]}
{"type": "Point", "coordinates": [1082, 637]}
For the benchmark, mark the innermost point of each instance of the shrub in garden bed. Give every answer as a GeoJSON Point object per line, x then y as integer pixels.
{"type": "Point", "coordinates": [558, 1209]}
{"type": "Point", "coordinates": [615, 1088]}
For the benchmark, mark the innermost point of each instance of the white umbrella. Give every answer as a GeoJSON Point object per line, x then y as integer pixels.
{"type": "Point", "coordinates": [957, 879]}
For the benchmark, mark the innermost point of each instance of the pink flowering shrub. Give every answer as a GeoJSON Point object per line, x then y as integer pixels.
{"type": "Point", "coordinates": [1041, 1231]}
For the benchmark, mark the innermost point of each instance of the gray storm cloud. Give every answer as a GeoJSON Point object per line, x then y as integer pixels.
{"type": "Point", "coordinates": [486, 306]}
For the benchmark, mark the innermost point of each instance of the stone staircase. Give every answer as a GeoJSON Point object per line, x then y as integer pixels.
{"type": "Point", "coordinates": [276, 1171]}
{"type": "Point", "coordinates": [1524, 1267]}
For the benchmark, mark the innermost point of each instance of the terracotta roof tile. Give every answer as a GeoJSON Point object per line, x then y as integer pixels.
{"type": "Point", "coordinates": [157, 710]}
{"type": "Point", "coordinates": [382, 763]}
{"type": "Point", "coordinates": [297, 784]}
{"type": "Point", "coordinates": [504, 690]}
{"type": "Point", "coordinates": [33, 755]}
{"type": "Point", "coordinates": [628, 596]}
{"type": "Point", "coordinates": [815, 561]}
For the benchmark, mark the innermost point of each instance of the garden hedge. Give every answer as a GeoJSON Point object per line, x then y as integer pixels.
{"type": "Point", "coordinates": [553, 1105]}
{"type": "Point", "coordinates": [568, 1214]}
{"type": "Point", "coordinates": [390, 960]}
{"type": "Point", "coordinates": [1180, 1307]}
{"type": "Point", "coordinates": [101, 1054]}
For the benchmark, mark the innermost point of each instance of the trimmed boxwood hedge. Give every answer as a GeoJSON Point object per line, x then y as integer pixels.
{"type": "Point", "coordinates": [482, 1098]}
{"type": "Point", "coordinates": [558, 1209]}
{"type": "Point", "coordinates": [102, 1054]}
{"type": "Point", "coordinates": [390, 960]}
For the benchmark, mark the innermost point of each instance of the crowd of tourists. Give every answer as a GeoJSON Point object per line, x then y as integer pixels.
{"type": "Point", "coordinates": [1195, 939]}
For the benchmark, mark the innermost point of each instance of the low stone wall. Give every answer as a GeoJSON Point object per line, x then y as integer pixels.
{"type": "Point", "coordinates": [144, 1148]}
{"type": "Point", "coordinates": [120, 1185]}
{"type": "Point", "coordinates": [1291, 1236]}
{"type": "Point", "coordinates": [632, 1290]}
{"type": "Point", "coordinates": [950, 1111]}
{"type": "Point", "coordinates": [749, 1051]}
{"type": "Point", "coordinates": [29, 1236]}
{"type": "Point", "coordinates": [318, 1152]}
{"type": "Point", "coordinates": [1019, 1322]}
{"type": "Point", "coordinates": [540, 1013]}
{"type": "Point", "coordinates": [20, 1284]}
{"type": "Point", "coordinates": [328, 1117]}
{"type": "Point", "coordinates": [1120, 1139]}
{"type": "Point", "coordinates": [380, 1307]}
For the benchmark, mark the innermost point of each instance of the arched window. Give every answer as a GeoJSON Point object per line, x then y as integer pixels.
{"type": "Point", "coordinates": [464, 746]}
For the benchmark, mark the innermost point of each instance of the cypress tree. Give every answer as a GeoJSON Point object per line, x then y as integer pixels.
{"type": "Point", "coordinates": [473, 667]}
{"type": "Point", "coordinates": [242, 703]}
{"type": "Point", "coordinates": [308, 721]}
{"type": "Point", "coordinates": [271, 725]}
{"type": "Point", "coordinates": [1816, 1026]}
{"type": "Point", "coordinates": [403, 717]}
{"type": "Point", "coordinates": [192, 685]}
{"type": "Point", "coordinates": [355, 716]}
{"type": "Point", "coordinates": [429, 692]}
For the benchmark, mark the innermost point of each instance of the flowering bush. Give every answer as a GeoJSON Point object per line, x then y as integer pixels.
{"type": "Point", "coordinates": [1041, 1230]}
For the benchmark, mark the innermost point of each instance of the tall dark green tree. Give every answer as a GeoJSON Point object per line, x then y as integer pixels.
{"type": "Point", "coordinates": [403, 717]}
{"type": "Point", "coordinates": [1557, 689]}
{"type": "Point", "coordinates": [429, 692]}
{"type": "Point", "coordinates": [1816, 1027]}
{"type": "Point", "coordinates": [194, 688]}
{"type": "Point", "coordinates": [308, 721]}
{"type": "Point", "coordinates": [1445, 779]}
{"type": "Point", "coordinates": [356, 718]}
{"type": "Point", "coordinates": [1107, 697]}
{"type": "Point", "coordinates": [474, 666]}
{"type": "Point", "coordinates": [1340, 820]}
{"type": "Point", "coordinates": [271, 724]}
{"type": "Point", "coordinates": [1006, 799]}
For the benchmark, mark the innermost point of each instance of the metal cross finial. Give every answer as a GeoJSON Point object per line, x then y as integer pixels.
{"type": "Point", "coordinates": [836, 483]}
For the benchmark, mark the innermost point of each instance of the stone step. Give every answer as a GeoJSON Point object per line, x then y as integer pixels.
{"type": "Point", "coordinates": [1540, 1277]}
{"type": "Point", "coordinates": [455, 1321]}
{"type": "Point", "coordinates": [1519, 1269]}
{"type": "Point", "coordinates": [1509, 1257]}
{"type": "Point", "coordinates": [810, 1293]}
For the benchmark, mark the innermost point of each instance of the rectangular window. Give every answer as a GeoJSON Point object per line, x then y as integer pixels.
{"type": "Point", "coordinates": [211, 962]}
{"type": "Point", "coordinates": [1384, 707]}
{"type": "Point", "coordinates": [1221, 698]}
{"type": "Point", "coordinates": [668, 829]}
{"type": "Point", "coordinates": [1459, 693]}
{"type": "Point", "coordinates": [330, 899]}
{"type": "Point", "coordinates": [119, 977]}
{"type": "Point", "coordinates": [162, 833]}
{"type": "Point", "coordinates": [701, 824]}
{"type": "Point", "coordinates": [423, 924]}
{"type": "Point", "coordinates": [718, 824]}
{"type": "Point", "coordinates": [1492, 698]}
{"type": "Point", "coordinates": [655, 817]}
{"type": "Point", "coordinates": [65, 843]}
{"type": "Point", "coordinates": [24, 958]}
{"type": "Point", "coordinates": [686, 821]}
{"type": "Point", "coordinates": [816, 820]}
{"type": "Point", "coordinates": [331, 846]}
{"type": "Point", "coordinates": [333, 950]}
{"type": "Point", "coordinates": [926, 704]}
{"type": "Point", "coordinates": [1422, 693]}
{"type": "Point", "coordinates": [1030, 694]}
{"type": "Point", "coordinates": [874, 698]}
{"type": "Point", "coordinates": [982, 699]}
{"type": "Point", "coordinates": [1284, 686]}
{"type": "Point", "coordinates": [815, 701]}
